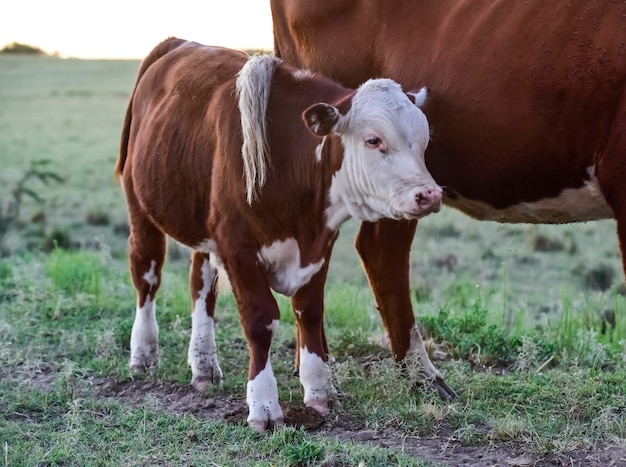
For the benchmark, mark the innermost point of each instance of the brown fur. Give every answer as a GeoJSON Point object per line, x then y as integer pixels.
{"type": "Point", "coordinates": [525, 97]}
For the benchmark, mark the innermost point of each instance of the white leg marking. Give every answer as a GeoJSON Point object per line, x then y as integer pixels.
{"type": "Point", "coordinates": [315, 379]}
{"type": "Point", "coordinates": [262, 398]}
{"type": "Point", "coordinates": [144, 338]}
{"type": "Point", "coordinates": [273, 326]}
{"type": "Point", "coordinates": [150, 277]}
{"type": "Point", "coordinates": [202, 356]}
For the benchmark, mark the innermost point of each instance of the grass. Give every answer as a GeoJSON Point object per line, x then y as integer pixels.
{"type": "Point", "coordinates": [529, 320]}
{"type": "Point", "coordinates": [66, 319]}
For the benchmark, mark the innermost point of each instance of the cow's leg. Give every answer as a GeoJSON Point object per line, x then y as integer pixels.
{"type": "Point", "coordinates": [384, 248]}
{"type": "Point", "coordinates": [202, 356]}
{"type": "Point", "coordinates": [311, 347]}
{"type": "Point", "coordinates": [147, 254]}
{"type": "Point", "coordinates": [259, 316]}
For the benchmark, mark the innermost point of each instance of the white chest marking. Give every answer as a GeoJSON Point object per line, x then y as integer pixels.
{"type": "Point", "coordinates": [572, 205]}
{"type": "Point", "coordinates": [282, 262]}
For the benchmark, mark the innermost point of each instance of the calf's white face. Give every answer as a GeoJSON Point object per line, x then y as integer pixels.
{"type": "Point", "coordinates": [383, 174]}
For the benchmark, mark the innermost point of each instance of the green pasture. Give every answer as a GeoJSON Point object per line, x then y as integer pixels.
{"type": "Point", "coordinates": [527, 321]}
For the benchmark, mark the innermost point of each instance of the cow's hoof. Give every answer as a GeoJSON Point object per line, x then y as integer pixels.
{"type": "Point", "coordinates": [200, 383]}
{"type": "Point", "coordinates": [321, 408]}
{"type": "Point", "coordinates": [141, 365]}
{"type": "Point", "coordinates": [262, 425]}
{"type": "Point", "coordinates": [445, 392]}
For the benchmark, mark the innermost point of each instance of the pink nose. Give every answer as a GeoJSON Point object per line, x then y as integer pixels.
{"type": "Point", "coordinates": [429, 200]}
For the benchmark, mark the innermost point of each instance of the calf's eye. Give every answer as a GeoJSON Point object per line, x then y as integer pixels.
{"type": "Point", "coordinates": [373, 142]}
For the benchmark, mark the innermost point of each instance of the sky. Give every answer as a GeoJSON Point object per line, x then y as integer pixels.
{"type": "Point", "coordinates": [131, 28]}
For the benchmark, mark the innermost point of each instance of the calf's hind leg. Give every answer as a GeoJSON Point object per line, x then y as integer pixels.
{"type": "Point", "coordinates": [202, 355]}
{"type": "Point", "coordinates": [147, 254]}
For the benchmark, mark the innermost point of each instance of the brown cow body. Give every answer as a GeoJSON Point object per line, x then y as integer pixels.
{"type": "Point", "coordinates": [528, 109]}
{"type": "Point", "coordinates": [215, 154]}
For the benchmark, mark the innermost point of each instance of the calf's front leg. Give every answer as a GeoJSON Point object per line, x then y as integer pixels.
{"type": "Point", "coordinates": [312, 350]}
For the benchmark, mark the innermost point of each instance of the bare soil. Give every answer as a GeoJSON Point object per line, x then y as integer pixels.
{"type": "Point", "coordinates": [442, 448]}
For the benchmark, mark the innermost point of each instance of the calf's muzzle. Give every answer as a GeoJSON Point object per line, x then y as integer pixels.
{"type": "Point", "coordinates": [429, 200]}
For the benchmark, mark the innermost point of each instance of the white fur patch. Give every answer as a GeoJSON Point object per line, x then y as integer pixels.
{"type": "Point", "coordinates": [315, 379]}
{"type": "Point", "coordinates": [207, 246]}
{"type": "Point", "coordinates": [282, 263]}
{"type": "Point", "coordinates": [318, 150]}
{"type": "Point", "coordinates": [144, 337]}
{"type": "Point", "coordinates": [420, 96]}
{"type": "Point", "coordinates": [384, 180]}
{"type": "Point", "coordinates": [273, 327]}
{"type": "Point", "coordinates": [202, 355]}
{"type": "Point", "coordinates": [262, 399]}
{"type": "Point", "coordinates": [150, 277]}
{"type": "Point", "coordinates": [301, 75]}
{"type": "Point", "coordinates": [572, 205]}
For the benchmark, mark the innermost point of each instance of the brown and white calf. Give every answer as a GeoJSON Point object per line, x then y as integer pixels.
{"type": "Point", "coordinates": [215, 154]}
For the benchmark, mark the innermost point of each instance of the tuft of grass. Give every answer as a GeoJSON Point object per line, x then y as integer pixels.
{"type": "Point", "coordinates": [75, 272]}
{"type": "Point", "coordinates": [295, 446]}
{"type": "Point", "coordinates": [471, 336]}
{"type": "Point", "coordinates": [575, 338]}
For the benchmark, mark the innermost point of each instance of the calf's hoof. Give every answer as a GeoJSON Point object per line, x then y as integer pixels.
{"type": "Point", "coordinates": [144, 363]}
{"type": "Point", "coordinates": [320, 407]}
{"type": "Point", "coordinates": [262, 425]}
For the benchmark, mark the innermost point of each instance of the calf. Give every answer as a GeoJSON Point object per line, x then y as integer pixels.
{"type": "Point", "coordinates": [215, 154]}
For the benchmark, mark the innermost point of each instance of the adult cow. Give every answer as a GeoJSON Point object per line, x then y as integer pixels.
{"type": "Point", "coordinates": [528, 111]}
{"type": "Point", "coordinates": [214, 153]}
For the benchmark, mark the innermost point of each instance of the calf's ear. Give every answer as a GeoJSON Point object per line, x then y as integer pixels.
{"type": "Point", "coordinates": [418, 98]}
{"type": "Point", "coordinates": [321, 119]}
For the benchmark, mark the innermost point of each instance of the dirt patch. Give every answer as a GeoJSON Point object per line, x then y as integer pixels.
{"type": "Point", "coordinates": [443, 448]}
